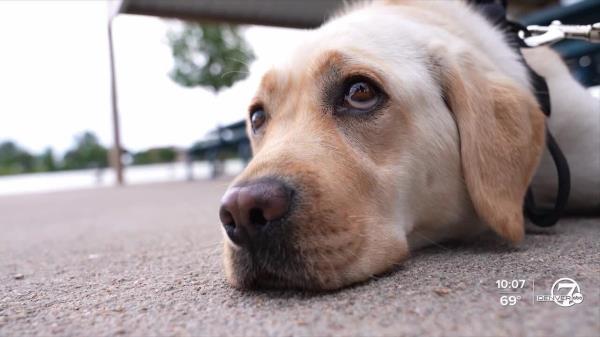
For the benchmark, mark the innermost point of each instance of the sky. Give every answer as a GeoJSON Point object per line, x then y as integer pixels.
{"type": "Point", "coordinates": [54, 78]}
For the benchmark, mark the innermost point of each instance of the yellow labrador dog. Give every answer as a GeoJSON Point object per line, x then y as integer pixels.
{"type": "Point", "coordinates": [394, 125]}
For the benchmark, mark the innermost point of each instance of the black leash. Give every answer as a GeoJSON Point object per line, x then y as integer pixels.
{"type": "Point", "coordinates": [549, 217]}
{"type": "Point", "coordinates": [495, 11]}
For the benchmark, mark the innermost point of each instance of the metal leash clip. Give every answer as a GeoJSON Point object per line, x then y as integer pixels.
{"type": "Point", "coordinates": [536, 36]}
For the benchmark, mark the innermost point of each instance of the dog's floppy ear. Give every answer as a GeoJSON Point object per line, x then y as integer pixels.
{"type": "Point", "coordinates": [501, 130]}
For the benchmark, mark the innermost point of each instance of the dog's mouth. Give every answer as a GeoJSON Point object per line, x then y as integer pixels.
{"type": "Point", "coordinates": [316, 260]}
{"type": "Point", "coordinates": [271, 265]}
{"type": "Point", "coordinates": [263, 247]}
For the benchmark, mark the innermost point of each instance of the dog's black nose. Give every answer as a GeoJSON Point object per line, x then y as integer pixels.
{"type": "Point", "coordinates": [246, 210]}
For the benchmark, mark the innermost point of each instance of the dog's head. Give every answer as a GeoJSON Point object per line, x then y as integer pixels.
{"type": "Point", "coordinates": [370, 131]}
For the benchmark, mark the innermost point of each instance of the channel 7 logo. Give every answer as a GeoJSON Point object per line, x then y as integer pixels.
{"type": "Point", "coordinates": [564, 292]}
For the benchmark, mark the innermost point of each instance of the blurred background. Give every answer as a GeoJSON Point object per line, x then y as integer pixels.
{"type": "Point", "coordinates": [97, 93]}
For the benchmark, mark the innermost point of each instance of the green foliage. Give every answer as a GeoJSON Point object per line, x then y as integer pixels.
{"type": "Point", "coordinates": [15, 160]}
{"type": "Point", "coordinates": [156, 155]}
{"type": "Point", "coordinates": [213, 56]}
{"type": "Point", "coordinates": [47, 161]}
{"type": "Point", "coordinates": [87, 153]}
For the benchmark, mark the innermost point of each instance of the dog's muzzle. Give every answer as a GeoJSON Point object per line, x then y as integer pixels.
{"type": "Point", "coordinates": [257, 217]}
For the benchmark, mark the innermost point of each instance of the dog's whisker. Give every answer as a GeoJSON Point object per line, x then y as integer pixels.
{"type": "Point", "coordinates": [431, 241]}
{"type": "Point", "coordinates": [240, 61]}
{"type": "Point", "coordinates": [209, 246]}
{"type": "Point", "coordinates": [234, 72]}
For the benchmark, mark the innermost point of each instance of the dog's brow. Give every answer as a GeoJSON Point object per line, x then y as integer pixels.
{"type": "Point", "coordinates": [268, 84]}
{"type": "Point", "coordinates": [273, 85]}
{"type": "Point", "coordinates": [329, 64]}
{"type": "Point", "coordinates": [254, 102]}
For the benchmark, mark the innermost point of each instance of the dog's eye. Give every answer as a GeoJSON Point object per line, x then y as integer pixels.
{"type": "Point", "coordinates": [257, 118]}
{"type": "Point", "coordinates": [359, 96]}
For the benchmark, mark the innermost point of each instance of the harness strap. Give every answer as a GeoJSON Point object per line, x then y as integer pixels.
{"type": "Point", "coordinates": [549, 217]}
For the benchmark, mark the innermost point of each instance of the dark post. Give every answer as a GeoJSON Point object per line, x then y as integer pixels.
{"type": "Point", "coordinates": [116, 150]}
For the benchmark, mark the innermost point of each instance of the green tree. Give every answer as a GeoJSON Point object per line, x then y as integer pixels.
{"type": "Point", "coordinates": [87, 153]}
{"type": "Point", "coordinates": [47, 161]}
{"type": "Point", "coordinates": [15, 160]}
{"type": "Point", "coordinates": [156, 155]}
{"type": "Point", "coordinates": [209, 55]}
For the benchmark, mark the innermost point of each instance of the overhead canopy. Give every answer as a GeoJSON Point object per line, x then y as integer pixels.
{"type": "Point", "coordinates": [312, 13]}
{"type": "Point", "coordinates": [284, 13]}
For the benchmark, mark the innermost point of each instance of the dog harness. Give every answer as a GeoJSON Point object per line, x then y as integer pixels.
{"type": "Point", "coordinates": [515, 33]}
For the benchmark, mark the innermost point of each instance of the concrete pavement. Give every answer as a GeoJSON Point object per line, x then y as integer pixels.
{"type": "Point", "coordinates": [146, 261]}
